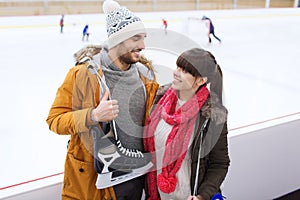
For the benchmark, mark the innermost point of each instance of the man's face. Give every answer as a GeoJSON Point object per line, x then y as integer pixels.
{"type": "Point", "coordinates": [129, 50]}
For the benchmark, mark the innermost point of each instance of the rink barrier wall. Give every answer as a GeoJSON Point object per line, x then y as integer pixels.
{"type": "Point", "coordinates": [266, 136]}
{"type": "Point", "coordinates": [55, 7]}
{"type": "Point", "coordinates": [264, 162]}
{"type": "Point", "coordinates": [70, 23]}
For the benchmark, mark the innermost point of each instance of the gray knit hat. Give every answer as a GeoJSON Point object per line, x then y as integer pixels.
{"type": "Point", "coordinates": [121, 23]}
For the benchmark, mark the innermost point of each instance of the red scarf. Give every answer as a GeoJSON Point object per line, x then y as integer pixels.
{"type": "Point", "coordinates": [183, 120]}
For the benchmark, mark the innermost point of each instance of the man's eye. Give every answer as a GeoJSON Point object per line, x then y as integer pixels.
{"type": "Point", "coordinates": [135, 38]}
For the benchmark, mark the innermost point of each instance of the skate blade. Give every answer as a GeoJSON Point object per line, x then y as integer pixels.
{"type": "Point", "coordinates": [107, 180]}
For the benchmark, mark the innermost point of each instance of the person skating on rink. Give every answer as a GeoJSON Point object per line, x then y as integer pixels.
{"type": "Point", "coordinates": [165, 24]}
{"type": "Point", "coordinates": [61, 24]}
{"type": "Point", "coordinates": [85, 33]}
{"type": "Point", "coordinates": [211, 28]}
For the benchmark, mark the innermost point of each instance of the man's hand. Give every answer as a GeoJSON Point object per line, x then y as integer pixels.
{"type": "Point", "coordinates": [107, 110]}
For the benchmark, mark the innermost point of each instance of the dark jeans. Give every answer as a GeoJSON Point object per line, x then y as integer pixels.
{"type": "Point", "coordinates": [213, 33]}
{"type": "Point", "coordinates": [130, 190]}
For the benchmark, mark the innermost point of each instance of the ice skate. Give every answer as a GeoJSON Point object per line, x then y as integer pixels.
{"type": "Point", "coordinates": [130, 169]}
{"type": "Point", "coordinates": [116, 164]}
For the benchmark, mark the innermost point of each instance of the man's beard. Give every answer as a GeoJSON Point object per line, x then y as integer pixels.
{"type": "Point", "coordinates": [127, 59]}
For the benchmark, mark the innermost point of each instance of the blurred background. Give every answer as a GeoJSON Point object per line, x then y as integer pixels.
{"type": "Point", "coordinates": [53, 7]}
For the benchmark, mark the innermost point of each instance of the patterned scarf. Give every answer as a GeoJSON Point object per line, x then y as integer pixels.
{"type": "Point", "coordinates": [183, 120]}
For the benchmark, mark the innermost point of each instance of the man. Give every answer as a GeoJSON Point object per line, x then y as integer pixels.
{"type": "Point", "coordinates": [103, 104]}
{"type": "Point", "coordinates": [211, 28]}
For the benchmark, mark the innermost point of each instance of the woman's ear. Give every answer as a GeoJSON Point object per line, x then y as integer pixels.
{"type": "Point", "coordinates": [201, 80]}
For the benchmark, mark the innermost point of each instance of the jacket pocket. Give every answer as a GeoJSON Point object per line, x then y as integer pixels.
{"type": "Point", "coordinates": [80, 179]}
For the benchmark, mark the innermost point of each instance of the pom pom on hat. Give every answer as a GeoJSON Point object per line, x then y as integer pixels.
{"type": "Point", "coordinates": [110, 6]}
{"type": "Point", "coordinates": [121, 23]}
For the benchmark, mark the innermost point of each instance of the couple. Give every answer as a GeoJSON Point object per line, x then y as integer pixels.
{"type": "Point", "coordinates": [104, 105]}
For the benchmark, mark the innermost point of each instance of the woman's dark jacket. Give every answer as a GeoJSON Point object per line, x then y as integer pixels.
{"type": "Point", "coordinates": [215, 160]}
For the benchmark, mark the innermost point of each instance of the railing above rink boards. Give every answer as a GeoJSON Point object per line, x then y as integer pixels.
{"type": "Point", "coordinates": [57, 7]}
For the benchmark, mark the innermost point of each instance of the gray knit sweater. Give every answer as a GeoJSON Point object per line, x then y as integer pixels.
{"type": "Point", "coordinates": [129, 90]}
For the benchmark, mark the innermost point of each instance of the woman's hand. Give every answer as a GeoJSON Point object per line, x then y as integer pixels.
{"type": "Point", "coordinates": [198, 197]}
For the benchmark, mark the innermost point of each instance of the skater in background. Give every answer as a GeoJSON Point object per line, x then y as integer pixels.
{"type": "Point", "coordinates": [188, 122]}
{"type": "Point", "coordinates": [165, 25]}
{"type": "Point", "coordinates": [108, 92]}
{"type": "Point", "coordinates": [61, 24]}
{"type": "Point", "coordinates": [85, 33]}
{"type": "Point", "coordinates": [211, 28]}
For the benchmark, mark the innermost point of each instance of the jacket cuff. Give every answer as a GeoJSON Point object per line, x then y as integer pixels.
{"type": "Point", "coordinates": [89, 121]}
{"type": "Point", "coordinates": [205, 196]}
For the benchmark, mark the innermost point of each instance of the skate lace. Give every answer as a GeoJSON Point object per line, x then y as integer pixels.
{"type": "Point", "coordinates": [129, 152]}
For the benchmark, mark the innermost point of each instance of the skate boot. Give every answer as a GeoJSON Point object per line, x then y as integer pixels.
{"type": "Point", "coordinates": [114, 163]}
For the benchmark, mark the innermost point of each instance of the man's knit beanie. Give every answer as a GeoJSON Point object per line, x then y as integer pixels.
{"type": "Point", "coordinates": [121, 23]}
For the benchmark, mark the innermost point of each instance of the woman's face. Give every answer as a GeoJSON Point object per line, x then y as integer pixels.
{"type": "Point", "coordinates": [186, 84]}
{"type": "Point", "coordinates": [182, 80]}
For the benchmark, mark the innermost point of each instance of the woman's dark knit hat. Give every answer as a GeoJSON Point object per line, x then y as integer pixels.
{"type": "Point", "coordinates": [198, 62]}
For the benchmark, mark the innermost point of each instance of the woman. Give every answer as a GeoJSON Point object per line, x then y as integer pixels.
{"type": "Point", "coordinates": [191, 106]}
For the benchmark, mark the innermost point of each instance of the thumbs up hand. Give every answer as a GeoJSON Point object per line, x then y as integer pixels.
{"type": "Point", "coordinates": [107, 110]}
